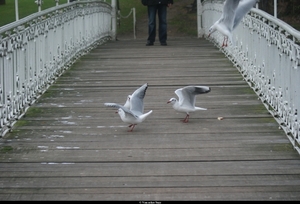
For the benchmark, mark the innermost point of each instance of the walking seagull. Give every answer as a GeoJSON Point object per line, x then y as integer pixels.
{"type": "Point", "coordinates": [132, 111]}
{"type": "Point", "coordinates": [233, 13]}
{"type": "Point", "coordinates": [187, 99]}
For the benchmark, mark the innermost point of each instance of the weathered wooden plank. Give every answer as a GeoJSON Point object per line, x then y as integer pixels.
{"type": "Point", "coordinates": [282, 167]}
{"type": "Point", "coordinates": [151, 182]}
{"type": "Point", "coordinates": [256, 193]}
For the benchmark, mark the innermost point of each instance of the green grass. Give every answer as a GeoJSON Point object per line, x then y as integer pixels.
{"type": "Point", "coordinates": [26, 7]}
{"type": "Point", "coordinates": [186, 23]}
{"type": "Point", "coordinates": [125, 25]}
{"type": "Point", "coordinates": [5, 149]}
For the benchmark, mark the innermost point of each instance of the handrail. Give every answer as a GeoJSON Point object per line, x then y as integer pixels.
{"type": "Point", "coordinates": [266, 51]}
{"type": "Point", "coordinates": [286, 27]}
{"type": "Point", "coordinates": [36, 50]}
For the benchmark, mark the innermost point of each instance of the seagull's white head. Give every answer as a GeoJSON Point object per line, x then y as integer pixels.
{"type": "Point", "coordinates": [127, 104]}
{"type": "Point", "coordinates": [121, 113]}
{"type": "Point", "coordinates": [172, 100]}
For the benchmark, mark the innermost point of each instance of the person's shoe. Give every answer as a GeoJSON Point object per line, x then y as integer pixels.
{"type": "Point", "coordinates": [149, 43]}
{"type": "Point", "coordinates": [163, 44]}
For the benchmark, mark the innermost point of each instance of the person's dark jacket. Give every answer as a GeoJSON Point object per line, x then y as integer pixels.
{"type": "Point", "coordinates": [155, 2]}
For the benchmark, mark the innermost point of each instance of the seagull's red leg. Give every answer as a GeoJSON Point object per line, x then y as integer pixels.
{"type": "Point", "coordinates": [186, 119]}
{"type": "Point", "coordinates": [183, 119]}
{"type": "Point", "coordinates": [132, 126]}
{"type": "Point", "coordinates": [225, 41]}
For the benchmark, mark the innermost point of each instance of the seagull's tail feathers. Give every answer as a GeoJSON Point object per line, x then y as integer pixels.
{"type": "Point", "coordinates": [145, 115]}
{"type": "Point", "coordinates": [199, 108]}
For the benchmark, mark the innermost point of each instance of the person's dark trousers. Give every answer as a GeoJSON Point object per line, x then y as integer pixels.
{"type": "Point", "coordinates": [162, 23]}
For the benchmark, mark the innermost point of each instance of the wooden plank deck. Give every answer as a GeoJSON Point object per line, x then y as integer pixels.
{"type": "Point", "coordinates": [69, 146]}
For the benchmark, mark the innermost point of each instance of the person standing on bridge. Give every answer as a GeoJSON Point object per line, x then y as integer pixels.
{"type": "Point", "coordinates": [159, 7]}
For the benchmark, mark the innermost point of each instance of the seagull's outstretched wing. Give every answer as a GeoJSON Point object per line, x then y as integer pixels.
{"type": "Point", "coordinates": [117, 106]}
{"type": "Point", "coordinates": [187, 95]}
{"type": "Point", "coordinates": [228, 14]}
{"type": "Point", "coordinates": [137, 99]}
{"type": "Point", "coordinates": [132, 111]}
{"type": "Point", "coordinates": [225, 24]}
{"type": "Point", "coordinates": [243, 8]}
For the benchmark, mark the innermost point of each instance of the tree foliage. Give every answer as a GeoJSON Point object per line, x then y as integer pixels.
{"type": "Point", "coordinates": [284, 7]}
{"type": "Point", "coordinates": [2, 2]}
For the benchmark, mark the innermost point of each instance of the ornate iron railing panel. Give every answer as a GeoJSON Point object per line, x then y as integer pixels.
{"type": "Point", "coordinates": [35, 50]}
{"type": "Point", "coordinates": [266, 51]}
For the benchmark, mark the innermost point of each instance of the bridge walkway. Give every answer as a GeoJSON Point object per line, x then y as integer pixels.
{"type": "Point", "coordinates": [69, 146]}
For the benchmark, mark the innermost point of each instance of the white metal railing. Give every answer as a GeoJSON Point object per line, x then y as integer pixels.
{"type": "Point", "coordinates": [266, 51]}
{"type": "Point", "coordinates": [35, 50]}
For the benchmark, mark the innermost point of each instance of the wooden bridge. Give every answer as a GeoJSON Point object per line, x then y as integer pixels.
{"type": "Point", "coordinates": [69, 146]}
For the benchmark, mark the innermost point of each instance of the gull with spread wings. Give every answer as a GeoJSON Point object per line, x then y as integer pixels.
{"type": "Point", "coordinates": [233, 13]}
{"type": "Point", "coordinates": [132, 111]}
{"type": "Point", "coordinates": [187, 99]}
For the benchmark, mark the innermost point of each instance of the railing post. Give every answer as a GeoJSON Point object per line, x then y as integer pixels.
{"type": "Point", "coordinates": [199, 19]}
{"type": "Point", "coordinates": [134, 23]}
{"type": "Point", "coordinates": [114, 19]}
{"type": "Point", "coordinates": [39, 3]}
{"type": "Point", "coordinates": [275, 8]}
{"type": "Point", "coordinates": [17, 9]}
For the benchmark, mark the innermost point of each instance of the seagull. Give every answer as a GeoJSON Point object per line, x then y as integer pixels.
{"type": "Point", "coordinates": [225, 24]}
{"type": "Point", "coordinates": [132, 111]}
{"type": "Point", "coordinates": [187, 99]}
{"type": "Point", "coordinates": [233, 13]}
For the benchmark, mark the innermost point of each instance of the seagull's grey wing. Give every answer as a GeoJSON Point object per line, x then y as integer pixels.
{"type": "Point", "coordinates": [201, 89]}
{"type": "Point", "coordinates": [213, 28]}
{"type": "Point", "coordinates": [243, 8]}
{"type": "Point", "coordinates": [114, 105]}
{"type": "Point", "coordinates": [187, 95]}
{"type": "Point", "coordinates": [229, 13]}
{"type": "Point", "coordinates": [137, 99]}
{"type": "Point", "coordinates": [129, 115]}
{"type": "Point", "coordinates": [186, 98]}
{"type": "Point", "coordinates": [126, 110]}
